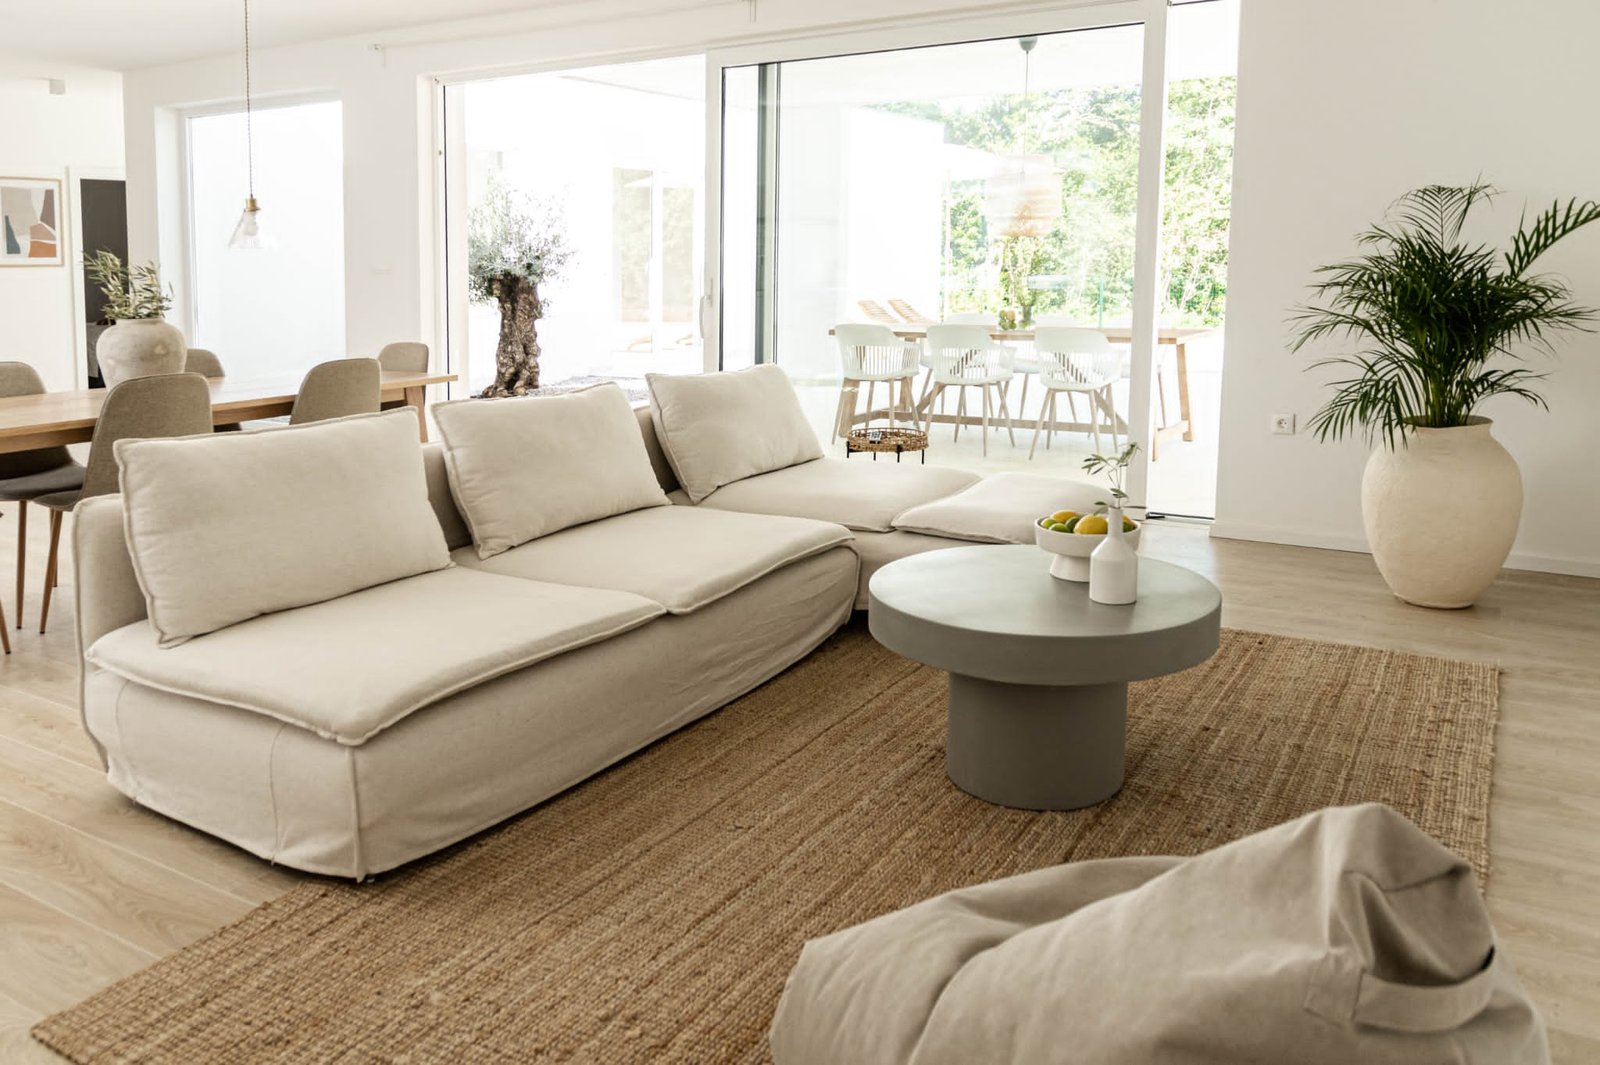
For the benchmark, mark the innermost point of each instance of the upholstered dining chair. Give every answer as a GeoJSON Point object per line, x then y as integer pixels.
{"type": "Point", "coordinates": [207, 365]}
{"type": "Point", "coordinates": [203, 362]}
{"type": "Point", "coordinates": [1071, 361]}
{"type": "Point", "coordinates": [963, 357]}
{"type": "Point", "coordinates": [138, 408]}
{"type": "Point", "coordinates": [404, 356]}
{"type": "Point", "coordinates": [337, 389]}
{"type": "Point", "coordinates": [870, 354]}
{"type": "Point", "coordinates": [26, 475]}
{"type": "Point", "coordinates": [408, 356]}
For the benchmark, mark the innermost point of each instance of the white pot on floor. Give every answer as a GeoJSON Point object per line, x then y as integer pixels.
{"type": "Point", "coordinates": [1441, 512]}
{"type": "Point", "coordinates": [140, 347]}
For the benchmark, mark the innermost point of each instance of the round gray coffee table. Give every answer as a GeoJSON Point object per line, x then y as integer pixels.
{"type": "Point", "coordinates": [1039, 672]}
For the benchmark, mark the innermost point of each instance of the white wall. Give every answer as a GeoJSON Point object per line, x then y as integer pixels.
{"type": "Point", "coordinates": [1341, 108]}
{"type": "Point", "coordinates": [53, 137]}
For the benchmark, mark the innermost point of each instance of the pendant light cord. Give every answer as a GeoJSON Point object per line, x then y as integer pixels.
{"type": "Point", "coordinates": [249, 131]}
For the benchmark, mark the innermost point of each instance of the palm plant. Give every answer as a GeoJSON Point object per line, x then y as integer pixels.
{"type": "Point", "coordinates": [1435, 318]}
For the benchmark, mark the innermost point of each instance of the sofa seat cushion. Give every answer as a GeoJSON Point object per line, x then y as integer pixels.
{"type": "Point", "coordinates": [856, 493]}
{"type": "Point", "coordinates": [1001, 509]}
{"type": "Point", "coordinates": [348, 668]}
{"type": "Point", "coordinates": [680, 557]}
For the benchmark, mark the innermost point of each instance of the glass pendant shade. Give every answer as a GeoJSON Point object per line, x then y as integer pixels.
{"type": "Point", "coordinates": [249, 232]}
{"type": "Point", "coordinates": [1023, 196]}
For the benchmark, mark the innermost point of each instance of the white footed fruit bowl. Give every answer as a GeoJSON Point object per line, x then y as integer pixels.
{"type": "Point", "coordinates": [1072, 550]}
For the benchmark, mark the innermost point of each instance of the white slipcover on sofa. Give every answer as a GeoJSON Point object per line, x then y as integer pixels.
{"type": "Point", "coordinates": [321, 699]}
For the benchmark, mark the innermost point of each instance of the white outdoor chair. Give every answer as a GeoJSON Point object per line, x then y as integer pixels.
{"type": "Point", "coordinates": [873, 353]}
{"type": "Point", "coordinates": [963, 357]}
{"type": "Point", "coordinates": [1076, 360]}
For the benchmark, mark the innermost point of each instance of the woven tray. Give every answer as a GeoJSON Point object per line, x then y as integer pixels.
{"type": "Point", "coordinates": [890, 441]}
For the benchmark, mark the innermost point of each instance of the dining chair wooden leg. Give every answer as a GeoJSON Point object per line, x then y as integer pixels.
{"type": "Point", "coordinates": [1110, 404]}
{"type": "Point", "coordinates": [872, 392]}
{"type": "Point", "coordinates": [1038, 426]}
{"type": "Point", "coordinates": [50, 568]}
{"type": "Point", "coordinates": [5, 631]}
{"type": "Point", "coordinates": [1005, 409]}
{"type": "Point", "coordinates": [930, 392]}
{"type": "Point", "coordinates": [961, 409]}
{"type": "Point", "coordinates": [22, 555]}
{"type": "Point", "coordinates": [1094, 422]}
{"type": "Point", "coordinates": [843, 414]}
{"type": "Point", "coordinates": [1050, 433]}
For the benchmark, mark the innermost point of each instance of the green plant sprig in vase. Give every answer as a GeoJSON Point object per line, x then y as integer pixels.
{"type": "Point", "coordinates": [131, 292]}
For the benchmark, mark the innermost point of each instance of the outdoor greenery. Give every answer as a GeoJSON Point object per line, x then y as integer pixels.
{"type": "Point", "coordinates": [1084, 268]}
{"type": "Point", "coordinates": [1435, 317]}
{"type": "Point", "coordinates": [131, 291]}
{"type": "Point", "coordinates": [510, 236]}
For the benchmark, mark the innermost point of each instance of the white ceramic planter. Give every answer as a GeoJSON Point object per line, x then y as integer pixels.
{"type": "Point", "coordinates": [140, 347]}
{"type": "Point", "coordinates": [1441, 513]}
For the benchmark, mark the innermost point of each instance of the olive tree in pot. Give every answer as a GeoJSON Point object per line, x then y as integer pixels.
{"type": "Point", "coordinates": [140, 343]}
{"type": "Point", "coordinates": [513, 246]}
{"type": "Point", "coordinates": [1440, 324]}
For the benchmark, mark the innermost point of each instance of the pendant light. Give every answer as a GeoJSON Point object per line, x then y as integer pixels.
{"type": "Point", "coordinates": [248, 233]}
{"type": "Point", "coordinates": [1024, 193]}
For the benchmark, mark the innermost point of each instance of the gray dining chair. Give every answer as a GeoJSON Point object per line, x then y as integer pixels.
{"type": "Point", "coordinates": [27, 475]}
{"type": "Point", "coordinates": [337, 389]}
{"type": "Point", "coordinates": [138, 408]}
{"type": "Point", "coordinates": [404, 356]}
{"type": "Point", "coordinates": [407, 356]}
{"type": "Point", "coordinates": [203, 362]}
{"type": "Point", "coordinates": [207, 365]}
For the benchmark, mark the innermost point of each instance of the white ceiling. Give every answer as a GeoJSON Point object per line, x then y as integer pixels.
{"type": "Point", "coordinates": [127, 34]}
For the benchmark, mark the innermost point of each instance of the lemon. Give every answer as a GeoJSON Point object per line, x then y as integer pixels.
{"type": "Point", "coordinates": [1092, 525]}
{"type": "Point", "coordinates": [1064, 516]}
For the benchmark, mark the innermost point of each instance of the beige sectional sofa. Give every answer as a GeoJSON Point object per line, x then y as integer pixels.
{"type": "Point", "coordinates": [408, 710]}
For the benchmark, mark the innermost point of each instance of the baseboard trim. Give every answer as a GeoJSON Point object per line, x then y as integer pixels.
{"type": "Point", "coordinates": [1270, 534]}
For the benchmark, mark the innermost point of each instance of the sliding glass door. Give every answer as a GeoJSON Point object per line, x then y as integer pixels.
{"type": "Point", "coordinates": [1015, 180]}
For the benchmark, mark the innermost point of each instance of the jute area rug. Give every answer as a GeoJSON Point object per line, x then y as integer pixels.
{"type": "Point", "coordinates": [652, 914]}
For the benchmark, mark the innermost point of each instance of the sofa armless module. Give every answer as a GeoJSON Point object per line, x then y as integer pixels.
{"type": "Point", "coordinates": [352, 736]}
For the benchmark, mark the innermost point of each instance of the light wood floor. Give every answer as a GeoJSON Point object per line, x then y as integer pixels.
{"type": "Point", "coordinates": [93, 887]}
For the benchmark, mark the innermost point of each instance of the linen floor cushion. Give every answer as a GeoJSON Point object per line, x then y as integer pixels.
{"type": "Point", "coordinates": [522, 468]}
{"type": "Point", "coordinates": [1345, 936]}
{"type": "Point", "coordinates": [1002, 508]}
{"type": "Point", "coordinates": [719, 428]}
{"type": "Point", "coordinates": [226, 527]}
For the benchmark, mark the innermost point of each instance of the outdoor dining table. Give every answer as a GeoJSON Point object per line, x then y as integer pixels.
{"type": "Point", "coordinates": [49, 419]}
{"type": "Point", "coordinates": [1177, 337]}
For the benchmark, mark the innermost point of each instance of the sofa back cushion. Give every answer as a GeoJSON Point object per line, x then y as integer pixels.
{"type": "Point", "coordinates": [231, 526]}
{"type": "Point", "coordinates": [523, 468]}
{"type": "Point", "coordinates": [723, 427]}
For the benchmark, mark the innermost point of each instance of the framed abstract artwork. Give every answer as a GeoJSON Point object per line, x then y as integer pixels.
{"type": "Point", "coordinates": [30, 222]}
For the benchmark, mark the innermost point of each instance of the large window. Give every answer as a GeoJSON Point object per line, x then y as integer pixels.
{"type": "Point", "coordinates": [277, 310]}
{"type": "Point", "coordinates": [610, 162]}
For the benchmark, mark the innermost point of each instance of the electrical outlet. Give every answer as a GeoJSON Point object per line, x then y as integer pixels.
{"type": "Point", "coordinates": [1283, 424]}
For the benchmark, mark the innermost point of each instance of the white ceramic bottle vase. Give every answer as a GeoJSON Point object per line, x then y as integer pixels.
{"type": "Point", "coordinates": [1114, 566]}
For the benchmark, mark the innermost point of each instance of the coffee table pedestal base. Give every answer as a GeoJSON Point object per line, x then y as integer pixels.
{"type": "Point", "coordinates": [1037, 747]}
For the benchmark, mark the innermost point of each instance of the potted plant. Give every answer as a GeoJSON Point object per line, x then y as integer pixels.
{"type": "Point", "coordinates": [1439, 325]}
{"type": "Point", "coordinates": [141, 343]}
{"type": "Point", "coordinates": [512, 248]}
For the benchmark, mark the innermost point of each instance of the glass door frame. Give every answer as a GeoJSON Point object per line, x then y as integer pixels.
{"type": "Point", "coordinates": [1150, 14]}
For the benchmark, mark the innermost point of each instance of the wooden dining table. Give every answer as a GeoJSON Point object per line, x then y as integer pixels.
{"type": "Point", "coordinates": [1177, 337]}
{"type": "Point", "coordinates": [49, 419]}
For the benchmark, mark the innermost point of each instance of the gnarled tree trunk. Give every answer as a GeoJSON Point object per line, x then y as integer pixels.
{"type": "Point", "coordinates": [516, 360]}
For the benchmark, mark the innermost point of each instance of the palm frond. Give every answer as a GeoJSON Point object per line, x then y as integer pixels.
{"type": "Point", "coordinates": [1426, 315]}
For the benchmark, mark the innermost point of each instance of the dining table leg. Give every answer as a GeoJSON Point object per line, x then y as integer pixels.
{"type": "Point", "coordinates": [1182, 359]}
{"type": "Point", "coordinates": [418, 397]}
